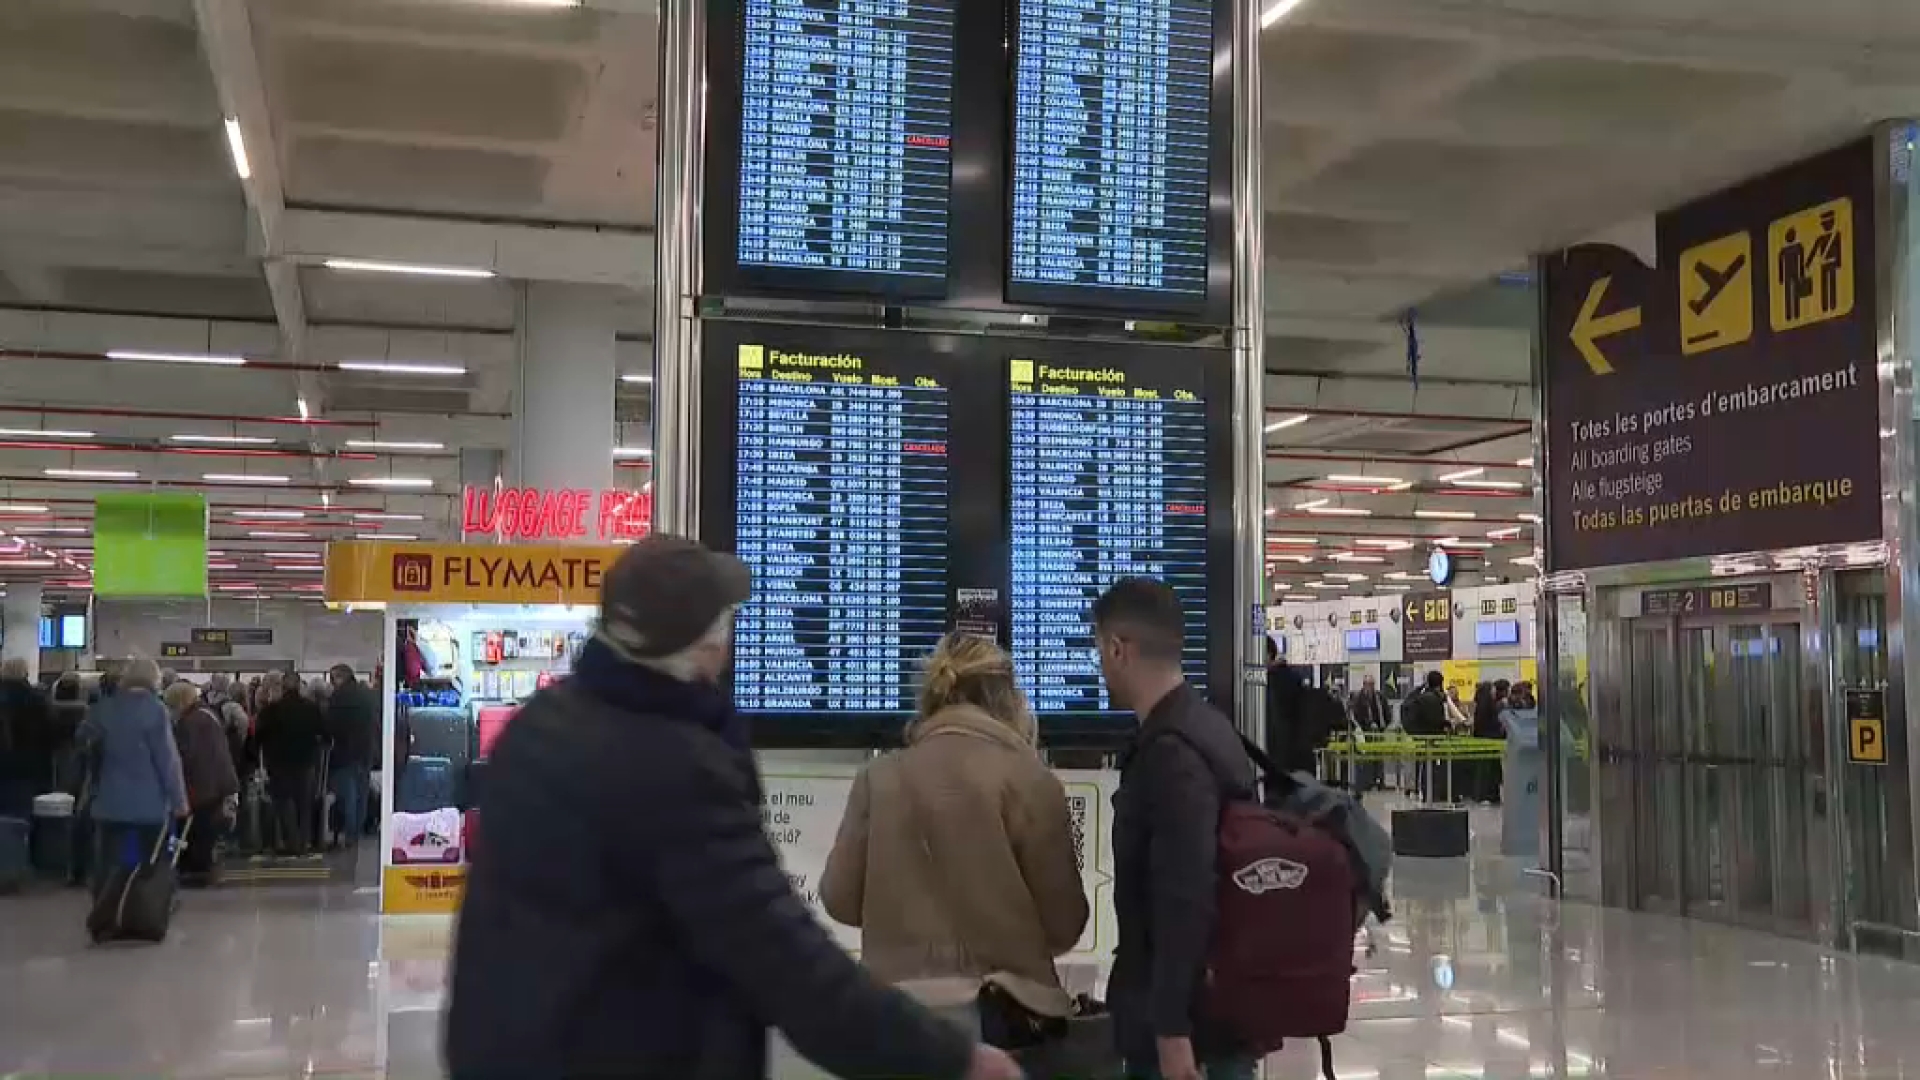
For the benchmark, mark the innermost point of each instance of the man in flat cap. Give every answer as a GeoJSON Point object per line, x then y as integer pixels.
{"type": "Point", "coordinates": [626, 914]}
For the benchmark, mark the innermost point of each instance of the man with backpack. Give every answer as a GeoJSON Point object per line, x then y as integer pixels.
{"type": "Point", "coordinates": [1174, 778]}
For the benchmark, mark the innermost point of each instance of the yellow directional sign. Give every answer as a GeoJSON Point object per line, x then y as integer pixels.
{"type": "Point", "coordinates": [1591, 326]}
{"type": "Point", "coordinates": [1716, 293]}
{"type": "Point", "coordinates": [1867, 727]}
{"type": "Point", "coordinates": [1810, 265]}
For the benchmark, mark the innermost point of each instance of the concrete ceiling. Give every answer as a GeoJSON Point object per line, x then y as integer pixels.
{"type": "Point", "coordinates": [1417, 152]}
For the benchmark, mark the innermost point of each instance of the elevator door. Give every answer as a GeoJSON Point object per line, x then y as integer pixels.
{"type": "Point", "coordinates": [1711, 772]}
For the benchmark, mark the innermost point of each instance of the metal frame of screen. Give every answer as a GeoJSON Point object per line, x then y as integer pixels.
{"type": "Point", "coordinates": [1081, 728]}
{"type": "Point", "coordinates": [1216, 307]}
{"type": "Point", "coordinates": [976, 454]}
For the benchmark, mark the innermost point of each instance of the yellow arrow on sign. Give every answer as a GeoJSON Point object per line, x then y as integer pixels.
{"type": "Point", "coordinates": [1411, 608]}
{"type": "Point", "coordinates": [1590, 326]}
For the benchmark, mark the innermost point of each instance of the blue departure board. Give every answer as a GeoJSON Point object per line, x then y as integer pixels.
{"type": "Point", "coordinates": [845, 141]}
{"type": "Point", "coordinates": [1109, 480]}
{"type": "Point", "coordinates": [1112, 152]}
{"type": "Point", "coordinates": [841, 513]}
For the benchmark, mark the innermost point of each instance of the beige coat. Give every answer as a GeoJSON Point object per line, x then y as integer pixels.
{"type": "Point", "coordinates": [955, 859]}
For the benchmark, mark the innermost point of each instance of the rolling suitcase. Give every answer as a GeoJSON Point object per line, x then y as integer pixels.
{"type": "Point", "coordinates": [426, 785]}
{"type": "Point", "coordinates": [136, 901]}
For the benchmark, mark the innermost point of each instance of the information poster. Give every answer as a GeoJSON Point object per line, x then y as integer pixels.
{"type": "Point", "coordinates": [1109, 481]}
{"type": "Point", "coordinates": [1426, 627]}
{"type": "Point", "coordinates": [1724, 400]}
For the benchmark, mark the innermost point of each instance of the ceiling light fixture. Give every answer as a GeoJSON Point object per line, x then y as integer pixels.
{"type": "Point", "coordinates": [301, 404]}
{"type": "Point", "coordinates": [392, 368]}
{"type": "Point", "coordinates": [27, 564]}
{"type": "Point", "coordinates": [1457, 542]}
{"type": "Point", "coordinates": [223, 440]}
{"type": "Point", "coordinates": [1326, 584]}
{"type": "Point", "coordinates": [21, 508]}
{"type": "Point", "coordinates": [642, 380]}
{"type": "Point", "coordinates": [1348, 577]}
{"type": "Point", "coordinates": [271, 515]}
{"type": "Point", "coordinates": [1340, 511]}
{"type": "Point", "coordinates": [209, 359]}
{"type": "Point", "coordinates": [1525, 560]}
{"type": "Point", "coordinates": [392, 481]}
{"type": "Point", "coordinates": [1444, 515]}
{"type": "Point", "coordinates": [41, 433]}
{"type": "Point", "coordinates": [237, 143]}
{"type": "Point", "coordinates": [274, 534]}
{"type": "Point", "coordinates": [291, 555]}
{"type": "Point", "coordinates": [51, 530]}
{"type": "Point", "coordinates": [1463, 474]}
{"type": "Point", "coordinates": [1291, 421]}
{"type": "Point", "coordinates": [1525, 463]}
{"type": "Point", "coordinates": [397, 537]}
{"type": "Point", "coordinates": [91, 474]}
{"type": "Point", "coordinates": [1311, 505]}
{"type": "Point", "coordinates": [1531, 519]}
{"type": "Point", "coordinates": [1300, 559]}
{"type": "Point", "coordinates": [1493, 485]}
{"type": "Point", "coordinates": [383, 444]}
{"type": "Point", "coordinates": [1370, 481]}
{"type": "Point", "coordinates": [223, 566]}
{"type": "Point", "coordinates": [1292, 540]}
{"type": "Point", "coordinates": [381, 515]}
{"type": "Point", "coordinates": [1384, 545]}
{"type": "Point", "coordinates": [378, 266]}
{"type": "Point", "coordinates": [244, 478]}
{"type": "Point", "coordinates": [1348, 556]}
{"type": "Point", "coordinates": [1507, 533]}
{"type": "Point", "coordinates": [628, 453]}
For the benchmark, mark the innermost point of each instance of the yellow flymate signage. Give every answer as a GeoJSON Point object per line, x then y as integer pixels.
{"type": "Point", "coordinates": [363, 573]}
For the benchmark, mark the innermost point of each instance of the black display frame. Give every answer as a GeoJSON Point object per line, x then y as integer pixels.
{"type": "Point", "coordinates": [980, 189]}
{"type": "Point", "coordinates": [1216, 306]}
{"type": "Point", "coordinates": [976, 452]}
{"type": "Point", "coordinates": [1112, 728]}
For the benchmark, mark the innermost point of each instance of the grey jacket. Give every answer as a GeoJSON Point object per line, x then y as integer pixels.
{"type": "Point", "coordinates": [138, 778]}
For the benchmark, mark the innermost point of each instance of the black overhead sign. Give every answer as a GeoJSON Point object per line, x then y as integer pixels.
{"type": "Point", "coordinates": [233, 635]}
{"type": "Point", "coordinates": [174, 650]}
{"type": "Point", "coordinates": [1705, 600]}
{"type": "Point", "coordinates": [1426, 632]}
{"type": "Point", "coordinates": [1724, 399]}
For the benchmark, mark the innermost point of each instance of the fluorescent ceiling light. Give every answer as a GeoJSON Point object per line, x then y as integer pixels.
{"type": "Point", "coordinates": [1384, 545]}
{"type": "Point", "coordinates": [223, 440]}
{"type": "Point", "coordinates": [1292, 540]}
{"type": "Point", "coordinates": [1280, 9]}
{"type": "Point", "coordinates": [300, 567]}
{"type": "Point", "coordinates": [1291, 421]}
{"type": "Point", "coordinates": [631, 452]}
{"type": "Point", "coordinates": [52, 530]}
{"type": "Point", "coordinates": [42, 433]}
{"type": "Point", "coordinates": [1340, 511]}
{"type": "Point", "coordinates": [381, 515]}
{"type": "Point", "coordinates": [271, 534]}
{"type": "Point", "coordinates": [238, 586]}
{"type": "Point", "coordinates": [244, 478]}
{"type": "Point", "coordinates": [1507, 533]}
{"type": "Point", "coordinates": [301, 404]}
{"type": "Point", "coordinates": [1282, 586]}
{"type": "Point", "coordinates": [392, 481]}
{"type": "Point", "coordinates": [283, 515]}
{"type": "Point", "coordinates": [384, 444]}
{"type": "Point", "coordinates": [1326, 584]}
{"type": "Point", "coordinates": [1531, 519]}
{"type": "Point", "coordinates": [1311, 505]}
{"type": "Point", "coordinates": [377, 266]}
{"type": "Point", "coordinates": [1497, 485]}
{"type": "Point", "coordinates": [1348, 577]}
{"type": "Point", "coordinates": [1371, 481]}
{"type": "Point", "coordinates": [223, 566]}
{"type": "Point", "coordinates": [385, 536]}
{"type": "Point", "coordinates": [91, 474]}
{"type": "Point", "coordinates": [291, 555]}
{"type": "Point", "coordinates": [641, 379]}
{"type": "Point", "coordinates": [28, 564]}
{"type": "Point", "coordinates": [1525, 463]}
{"type": "Point", "coordinates": [21, 508]}
{"type": "Point", "coordinates": [1445, 515]}
{"type": "Point", "coordinates": [1463, 474]}
{"type": "Point", "coordinates": [1346, 556]}
{"type": "Point", "coordinates": [392, 368]}
{"type": "Point", "coordinates": [1456, 542]}
{"type": "Point", "coordinates": [237, 143]}
{"type": "Point", "coordinates": [176, 358]}
{"type": "Point", "coordinates": [1299, 559]}
{"type": "Point", "coordinates": [1525, 560]}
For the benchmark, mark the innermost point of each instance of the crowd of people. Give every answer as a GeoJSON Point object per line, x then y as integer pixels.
{"type": "Point", "coordinates": [629, 914]}
{"type": "Point", "coordinates": [142, 751]}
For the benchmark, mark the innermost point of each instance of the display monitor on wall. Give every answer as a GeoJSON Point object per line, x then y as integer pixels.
{"type": "Point", "coordinates": [1119, 156]}
{"type": "Point", "coordinates": [1120, 467]}
{"type": "Point", "coordinates": [830, 146]}
{"type": "Point", "coordinates": [1497, 632]}
{"type": "Point", "coordinates": [1364, 640]}
{"type": "Point", "coordinates": [857, 475]}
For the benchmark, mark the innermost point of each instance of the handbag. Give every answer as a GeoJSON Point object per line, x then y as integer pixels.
{"type": "Point", "coordinates": [1010, 1025]}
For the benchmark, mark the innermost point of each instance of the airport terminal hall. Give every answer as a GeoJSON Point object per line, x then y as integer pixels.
{"type": "Point", "coordinates": [959, 539]}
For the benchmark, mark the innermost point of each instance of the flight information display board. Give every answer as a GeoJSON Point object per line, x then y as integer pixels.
{"type": "Point", "coordinates": [1114, 153]}
{"type": "Point", "coordinates": [1109, 479]}
{"type": "Point", "coordinates": [841, 493]}
{"type": "Point", "coordinates": [842, 163]}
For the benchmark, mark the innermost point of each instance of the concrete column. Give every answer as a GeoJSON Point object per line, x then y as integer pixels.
{"type": "Point", "coordinates": [563, 414]}
{"type": "Point", "coordinates": [20, 626]}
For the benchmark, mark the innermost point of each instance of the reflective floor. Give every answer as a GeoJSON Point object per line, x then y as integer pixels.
{"type": "Point", "coordinates": [1474, 978]}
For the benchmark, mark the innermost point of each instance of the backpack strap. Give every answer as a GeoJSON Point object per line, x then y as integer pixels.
{"type": "Point", "coordinates": [1279, 784]}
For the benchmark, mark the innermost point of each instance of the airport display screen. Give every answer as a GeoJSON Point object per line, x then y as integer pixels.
{"type": "Point", "coordinates": [1110, 478]}
{"type": "Point", "coordinates": [841, 158]}
{"type": "Point", "coordinates": [1113, 153]}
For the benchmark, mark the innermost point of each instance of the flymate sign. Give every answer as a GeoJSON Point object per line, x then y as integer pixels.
{"type": "Point", "coordinates": [528, 513]}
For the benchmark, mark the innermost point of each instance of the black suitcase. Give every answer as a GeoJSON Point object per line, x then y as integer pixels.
{"type": "Point", "coordinates": [1430, 833]}
{"type": "Point", "coordinates": [136, 902]}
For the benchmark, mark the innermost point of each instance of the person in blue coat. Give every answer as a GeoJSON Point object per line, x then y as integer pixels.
{"type": "Point", "coordinates": [138, 787]}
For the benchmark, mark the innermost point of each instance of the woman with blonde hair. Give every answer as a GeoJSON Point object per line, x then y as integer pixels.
{"type": "Point", "coordinates": [956, 856]}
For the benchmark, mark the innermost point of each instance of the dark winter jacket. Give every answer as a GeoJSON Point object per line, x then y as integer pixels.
{"type": "Point", "coordinates": [290, 731]}
{"type": "Point", "coordinates": [26, 740]}
{"type": "Point", "coordinates": [353, 723]}
{"type": "Point", "coordinates": [628, 916]}
{"type": "Point", "coordinates": [1182, 761]}
{"type": "Point", "coordinates": [1425, 713]}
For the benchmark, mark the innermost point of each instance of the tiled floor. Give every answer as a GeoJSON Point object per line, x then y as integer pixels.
{"type": "Point", "coordinates": [1474, 979]}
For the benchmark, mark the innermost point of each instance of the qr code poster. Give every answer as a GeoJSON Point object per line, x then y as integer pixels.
{"type": "Point", "coordinates": [1090, 808]}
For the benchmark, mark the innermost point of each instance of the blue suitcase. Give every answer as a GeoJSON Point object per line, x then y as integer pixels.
{"type": "Point", "coordinates": [427, 784]}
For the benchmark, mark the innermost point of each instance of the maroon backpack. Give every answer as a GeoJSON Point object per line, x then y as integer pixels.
{"type": "Point", "coordinates": [1281, 964]}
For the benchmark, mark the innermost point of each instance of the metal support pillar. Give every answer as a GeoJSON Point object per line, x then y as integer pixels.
{"type": "Point", "coordinates": [1546, 611]}
{"type": "Point", "coordinates": [677, 284]}
{"type": "Point", "coordinates": [1249, 370]}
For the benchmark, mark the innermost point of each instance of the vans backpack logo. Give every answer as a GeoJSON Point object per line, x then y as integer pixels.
{"type": "Point", "coordinates": [1269, 874]}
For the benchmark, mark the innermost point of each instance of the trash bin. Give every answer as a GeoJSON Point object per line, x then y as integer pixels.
{"type": "Point", "coordinates": [53, 835]}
